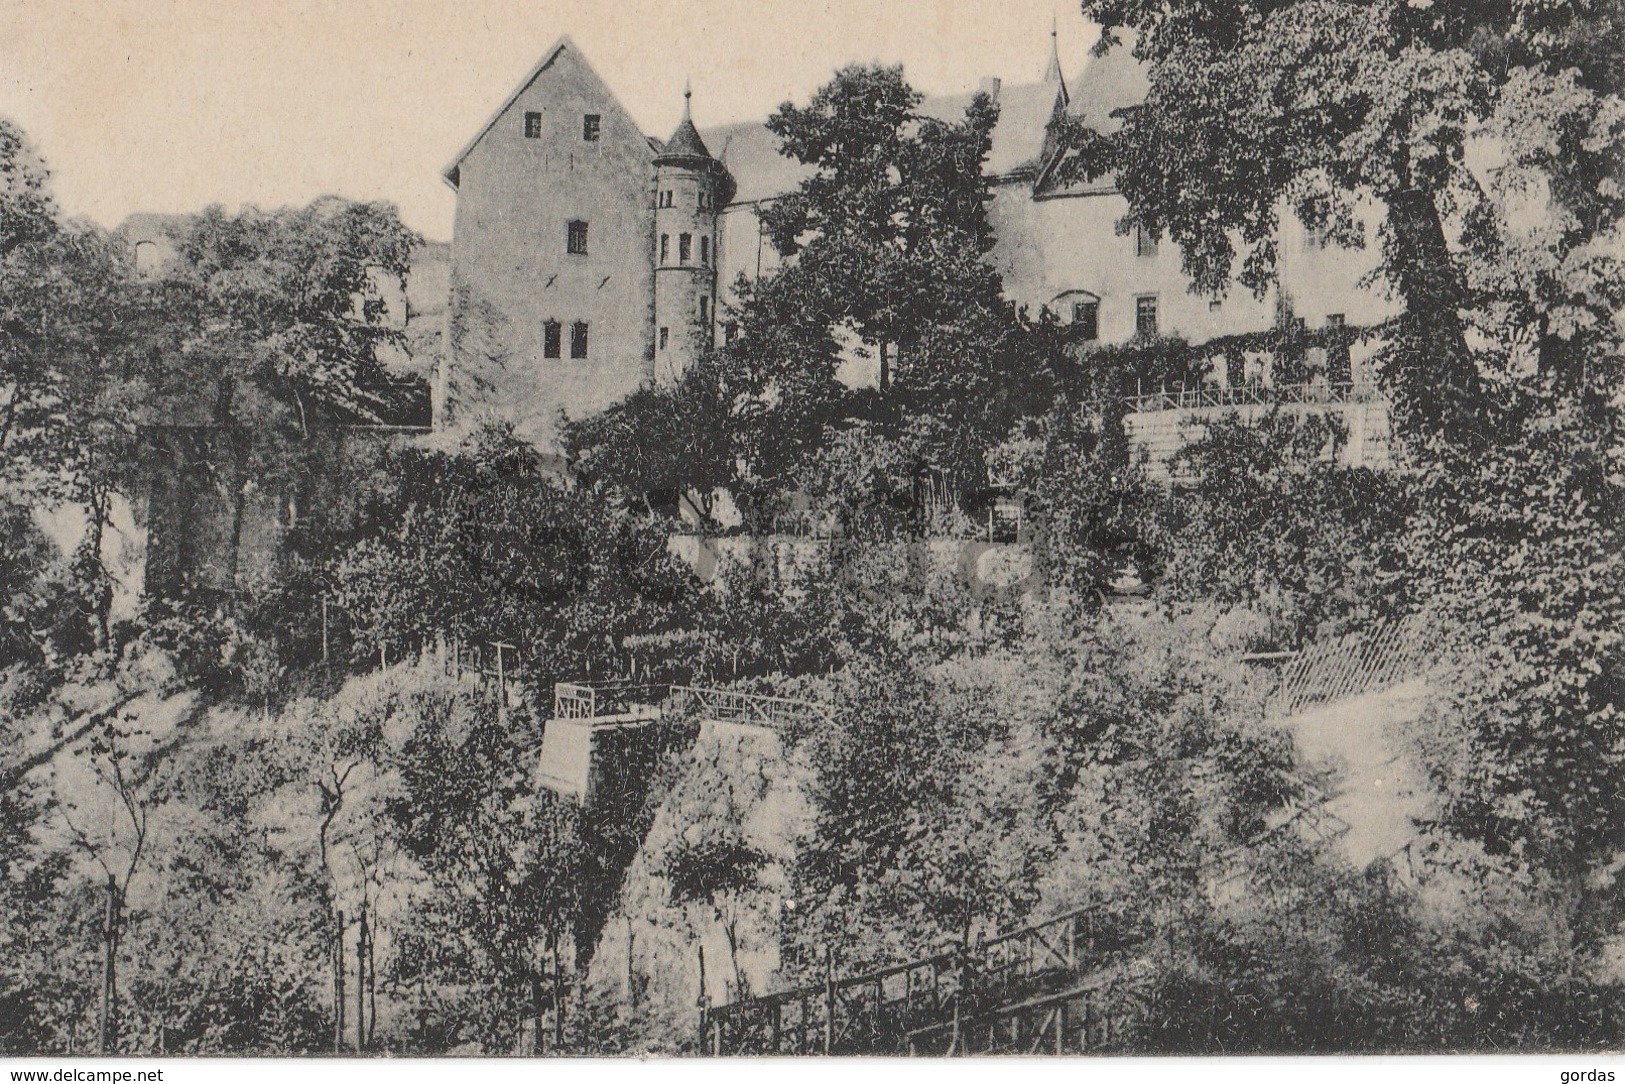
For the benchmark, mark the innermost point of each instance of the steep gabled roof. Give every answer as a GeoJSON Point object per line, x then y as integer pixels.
{"type": "Point", "coordinates": [451, 172]}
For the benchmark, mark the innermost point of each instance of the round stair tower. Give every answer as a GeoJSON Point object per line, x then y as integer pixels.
{"type": "Point", "coordinates": [691, 189]}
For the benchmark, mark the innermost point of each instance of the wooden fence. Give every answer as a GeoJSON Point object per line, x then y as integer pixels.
{"type": "Point", "coordinates": [1361, 662]}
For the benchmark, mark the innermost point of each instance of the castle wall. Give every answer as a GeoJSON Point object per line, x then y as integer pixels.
{"type": "Point", "coordinates": [511, 270]}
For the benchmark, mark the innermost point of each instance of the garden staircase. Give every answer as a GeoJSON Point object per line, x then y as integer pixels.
{"type": "Point", "coordinates": [1066, 985]}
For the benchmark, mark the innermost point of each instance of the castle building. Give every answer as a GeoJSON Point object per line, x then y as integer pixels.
{"type": "Point", "coordinates": [588, 258]}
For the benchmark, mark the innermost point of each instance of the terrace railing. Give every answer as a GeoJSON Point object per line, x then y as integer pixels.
{"type": "Point", "coordinates": [1250, 394]}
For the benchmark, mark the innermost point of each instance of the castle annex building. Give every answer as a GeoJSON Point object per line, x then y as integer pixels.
{"type": "Point", "coordinates": [588, 257]}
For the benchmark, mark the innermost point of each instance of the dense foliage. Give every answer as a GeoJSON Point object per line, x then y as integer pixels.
{"type": "Point", "coordinates": [1078, 733]}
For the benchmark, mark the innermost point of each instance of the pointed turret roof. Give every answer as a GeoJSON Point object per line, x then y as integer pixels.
{"type": "Point", "coordinates": [685, 142]}
{"type": "Point", "coordinates": [1052, 74]}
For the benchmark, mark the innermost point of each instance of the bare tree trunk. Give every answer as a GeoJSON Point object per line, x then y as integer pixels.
{"type": "Point", "coordinates": [109, 994]}
{"type": "Point", "coordinates": [338, 982]}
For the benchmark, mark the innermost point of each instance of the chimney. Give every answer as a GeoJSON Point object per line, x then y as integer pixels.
{"type": "Point", "coordinates": [990, 86]}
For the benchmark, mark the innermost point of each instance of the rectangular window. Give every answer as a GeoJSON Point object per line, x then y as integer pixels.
{"type": "Point", "coordinates": [576, 239]}
{"type": "Point", "coordinates": [1086, 318]}
{"type": "Point", "coordinates": [552, 335]}
{"type": "Point", "coordinates": [1145, 243]}
{"type": "Point", "coordinates": [1314, 238]}
{"type": "Point", "coordinates": [685, 247]}
{"type": "Point", "coordinates": [705, 309]}
{"type": "Point", "coordinates": [578, 340]}
{"type": "Point", "coordinates": [590, 125]}
{"type": "Point", "coordinates": [705, 251]}
{"type": "Point", "coordinates": [1145, 317]}
{"type": "Point", "coordinates": [533, 126]}
{"type": "Point", "coordinates": [664, 333]}
{"type": "Point", "coordinates": [665, 247]}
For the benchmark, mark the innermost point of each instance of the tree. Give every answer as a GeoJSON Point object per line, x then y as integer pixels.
{"type": "Point", "coordinates": [888, 238]}
{"type": "Point", "coordinates": [1314, 105]}
{"type": "Point", "coordinates": [662, 442]}
{"type": "Point", "coordinates": [74, 329]}
{"type": "Point", "coordinates": [280, 330]}
{"type": "Point", "coordinates": [1262, 517]}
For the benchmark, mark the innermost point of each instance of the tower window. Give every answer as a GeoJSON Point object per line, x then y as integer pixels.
{"type": "Point", "coordinates": [533, 126]}
{"type": "Point", "coordinates": [578, 339]}
{"type": "Point", "coordinates": [665, 247]}
{"type": "Point", "coordinates": [702, 200]}
{"type": "Point", "coordinates": [1145, 242]}
{"type": "Point", "coordinates": [1145, 316]}
{"type": "Point", "coordinates": [576, 242]}
{"type": "Point", "coordinates": [705, 251]}
{"type": "Point", "coordinates": [665, 333]}
{"type": "Point", "coordinates": [591, 123]}
{"type": "Point", "coordinates": [1314, 238]}
{"type": "Point", "coordinates": [705, 309]}
{"type": "Point", "coordinates": [665, 198]}
{"type": "Point", "coordinates": [552, 336]}
{"type": "Point", "coordinates": [1086, 318]}
{"type": "Point", "coordinates": [685, 247]}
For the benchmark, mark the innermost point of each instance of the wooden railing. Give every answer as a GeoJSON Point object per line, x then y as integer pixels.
{"type": "Point", "coordinates": [613, 699]}
{"type": "Point", "coordinates": [760, 709]}
{"type": "Point", "coordinates": [1361, 662]}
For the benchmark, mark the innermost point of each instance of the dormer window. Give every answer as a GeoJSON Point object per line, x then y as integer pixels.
{"type": "Point", "coordinates": [591, 124]}
{"type": "Point", "coordinates": [533, 126]}
{"type": "Point", "coordinates": [576, 238]}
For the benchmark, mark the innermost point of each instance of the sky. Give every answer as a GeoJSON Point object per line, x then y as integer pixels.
{"type": "Point", "coordinates": [170, 105]}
